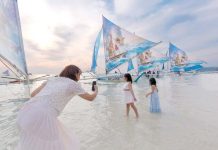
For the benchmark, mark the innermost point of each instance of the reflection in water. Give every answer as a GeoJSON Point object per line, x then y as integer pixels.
{"type": "Point", "coordinates": [188, 120]}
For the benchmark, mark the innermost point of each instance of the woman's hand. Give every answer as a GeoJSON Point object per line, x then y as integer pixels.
{"type": "Point", "coordinates": [135, 99]}
{"type": "Point", "coordinates": [90, 97]}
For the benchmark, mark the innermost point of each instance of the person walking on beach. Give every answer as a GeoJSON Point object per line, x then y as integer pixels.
{"type": "Point", "coordinates": [40, 129]}
{"type": "Point", "coordinates": [129, 95]}
{"type": "Point", "coordinates": [154, 100]}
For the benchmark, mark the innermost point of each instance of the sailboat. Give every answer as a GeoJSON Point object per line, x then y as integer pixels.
{"type": "Point", "coordinates": [121, 49]}
{"type": "Point", "coordinates": [180, 63]}
{"type": "Point", "coordinates": [11, 43]}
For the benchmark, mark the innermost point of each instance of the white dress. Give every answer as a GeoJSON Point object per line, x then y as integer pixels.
{"type": "Point", "coordinates": [39, 126]}
{"type": "Point", "coordinates": [128, 97]}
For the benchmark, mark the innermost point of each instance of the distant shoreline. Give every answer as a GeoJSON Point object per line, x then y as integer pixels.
{"type": "Point", "coordinates": [209, 69]}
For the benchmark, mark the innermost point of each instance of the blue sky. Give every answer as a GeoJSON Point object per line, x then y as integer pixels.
{"type": "Point", "coordinates": [61, 32]}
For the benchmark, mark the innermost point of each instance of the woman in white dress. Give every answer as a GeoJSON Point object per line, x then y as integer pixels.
{"type": "Point", "coordinates": [129, 95]}
{"type": "Point", "coordinates": [39, 126]}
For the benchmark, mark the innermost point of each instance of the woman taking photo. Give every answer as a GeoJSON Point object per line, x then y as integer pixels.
{"type": "Point", "coordinates": [39, 126]}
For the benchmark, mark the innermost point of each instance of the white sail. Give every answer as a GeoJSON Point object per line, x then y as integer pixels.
{"type": "Point", "coordinates": [11, 44]}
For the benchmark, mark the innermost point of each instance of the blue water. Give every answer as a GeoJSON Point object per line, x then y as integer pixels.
{"type": "Point", "coordinates": [188, 120]}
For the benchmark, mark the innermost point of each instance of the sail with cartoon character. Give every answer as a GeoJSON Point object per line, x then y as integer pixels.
{"type": "Point", "coordinates": [179, 61]}
{"type": "Point", "coordinates": [121, 47]}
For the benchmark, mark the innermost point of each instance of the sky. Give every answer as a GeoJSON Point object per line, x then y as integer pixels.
{"type": "Point", "coordinates": [57, 33]}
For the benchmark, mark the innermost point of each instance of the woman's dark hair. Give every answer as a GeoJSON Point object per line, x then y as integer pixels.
{"type": "Point", "coordinates": [70, 72]}
{"type": "Point", "coordinates": [152, 81]}
{"type": "Point", "coordinates": [128, 77]}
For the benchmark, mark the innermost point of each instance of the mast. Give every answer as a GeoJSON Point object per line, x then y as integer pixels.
{"type": "Point", "coordinates": [22, 46]}
{"type": "Point", "coordinates": [21, 39]}
{"type": "Point", "coordinates": [10, 16]}
{"type": "Point", "coordinates": [12, 49]}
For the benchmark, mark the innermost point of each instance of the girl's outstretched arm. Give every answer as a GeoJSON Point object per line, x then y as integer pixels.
{"type": "Point", "coordinates": [153, 87]}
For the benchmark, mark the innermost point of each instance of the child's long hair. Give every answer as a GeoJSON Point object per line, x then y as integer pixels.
{"type": "Point", "coordinates": [128, 77]}
{"type": "Point", "coordinates": [152, 81]}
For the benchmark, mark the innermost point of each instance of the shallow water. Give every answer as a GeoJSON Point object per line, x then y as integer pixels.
{"type": "Point", "coordinates": [188, 120]}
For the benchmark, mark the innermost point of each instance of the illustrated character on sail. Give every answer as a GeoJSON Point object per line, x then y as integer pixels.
{"type": "Point", "coordinates": [121, 45]}
{"type": "Point", "coordinates": [180, 61]}
{"type": "Point", "coordinates": [116, 41]}
{"type": "Point", "coordinates": [178, 56]}
{"type": "Point", "coordinates": [145, 57]}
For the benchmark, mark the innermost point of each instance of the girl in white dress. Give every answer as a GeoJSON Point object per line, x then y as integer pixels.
{"type": "Point", "coordinates": [40, 128]}
{"type": "Point", "coordinates": [129, 95]}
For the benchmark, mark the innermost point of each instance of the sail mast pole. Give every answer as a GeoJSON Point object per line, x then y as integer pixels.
{"type": "Point", "coordinates": [7, 66]}
{"type": "Point", "coordinates": [10, 65]}
{"type": "Point", "coordinates": [21, 44]}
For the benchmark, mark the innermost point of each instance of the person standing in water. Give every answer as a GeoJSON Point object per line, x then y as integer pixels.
{"type": "Point", "coordinates": [154, 100]}
{"type": "Point", "coordinates": [129, 95]}
{"type": "Point", "coordinates": [40, 128]}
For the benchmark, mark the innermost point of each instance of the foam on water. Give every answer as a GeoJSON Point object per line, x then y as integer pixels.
{"type": "Point", "coordinates": [188, 120]}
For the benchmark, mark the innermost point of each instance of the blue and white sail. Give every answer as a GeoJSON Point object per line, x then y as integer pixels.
{"type": "Point", "coordinates": [120, 45]}
{"type": "Point", "coordinates": [151, 59]}
{"type": "Point", "coordinates": [188, 68]}
{"type": "Point", "coordinates": [178, 57]}
{"type": "Point", "coordinates": [130, 65]}
{"type": "Point", "coordinates": [95, 52]}
{"type": "Point", "coordinates": [145, 67]}
{"type": "Point", "coordinates": [180, 61]}
{"type": "Point", "coordinates": [11, 44]}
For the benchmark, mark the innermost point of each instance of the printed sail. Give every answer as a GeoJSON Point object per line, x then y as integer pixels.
{"type": "Point", "coordinates": [130, 65]}
{"type": "Point", "coordinates": [150, 59]}
{"type": "Point", "coordinates": [120, 45]}
{"type": "Point", "coordinates": [180, 62]}
{"type": "Point", "coordinates": [95, 53]}
{"type": "Point", "coordinates": [11, 44]}
{"type": "Point", "coordinates": [178, 57]}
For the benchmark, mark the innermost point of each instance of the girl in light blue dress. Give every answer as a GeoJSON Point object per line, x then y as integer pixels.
{"type": "Point", "coordinates": [154, 101]}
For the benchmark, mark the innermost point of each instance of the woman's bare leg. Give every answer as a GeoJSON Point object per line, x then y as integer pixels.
{"type": "Point", "coordinates": [127, 109]}
{"type": "Point", "coordinates": [135, 109]}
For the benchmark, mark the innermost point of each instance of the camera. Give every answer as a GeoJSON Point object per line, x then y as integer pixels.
{"type": "Point", "coordinates": [93, 85]}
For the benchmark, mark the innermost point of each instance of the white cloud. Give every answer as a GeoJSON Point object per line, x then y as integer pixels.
{"type": "Point", "coordinates": [59, 32]}
{"type": "Point", "coordinates": [189, 24]}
